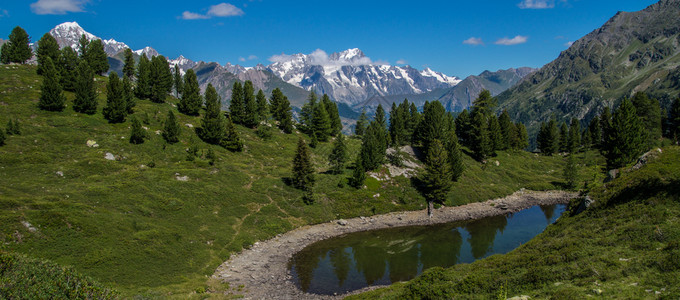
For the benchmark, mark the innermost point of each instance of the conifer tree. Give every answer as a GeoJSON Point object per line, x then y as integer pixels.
{"type": "Point", "coordinates": [143, 89]}
{"type": "Point", "coordinates": [437, 177]}
{"type": "Point", "coordinates": [564, 138]}
{"type": "Point", "coordinates": [4, 53]}
{"type": "Point", "coordinates": [115, 110]}
{"type": "Point", "coordinates": [275, 102]}
{"type": "Point", "coordinates": [606, 127]}
{"type": "Point", "coordinates": [523, 136]}
{"type": "Point", "coordinates": [627, 140]}
{"type": "Point", "coordinates": [574, 139]}
{"type": "Point", "coordinates": [307, 113]}
{"type": "Point", "coordinates": [548, 138]}
{"type": "Point", "coordinates": [586, 139]}
{"type": "Point", "coordinates": [51, 95]}
{"type": "Point", "coordinates": [649, 112]}
{"type": "Point", "coordinates": [178, 81]}
{"type": "Point", "coordinates": [433, 126]}
{"type": "Point", "coordinates": [161, 79]}
{"type": "Point", "coordinates": [338, 156]}
{"type": "Point", "coordinates": [674, 118]}
{"type": "Point", "coordinates": [595, 131]}
{"type": "Point", "coordinates": [372, 150]}
{"type": "Point", "coordinates": [484, 103]}
{"type": "Point", "coordinates": [171, 128]}
{"type": "Point", "coordinates": [508, 131]}
{"type": "Point", "coordinates": [2, 137]}
{"type": "Point", "coordinates": [232, 140]}
{"type": "Point", "coordinates": [414, 121]}
{"type": "Point", "coordinates": [47, 47]}
{"type": "Point", "coordinates": [83, 42]}
{"type": "Point", "coordinates": [455, 157]}
{"type": "Point", "coordinates": [321, 123]}
{"type": "Point", "coordinates": [358, 175]}
{"type": "Point", "coordinates": [251, 117]}
{"type": "Point", "coordinates": [480, 143]}
{"type": "Point", "coordinates": [128, 95]}
{"type": "Point", "coordinates": [261, 103]}
{"type": "Point", "coordinates": [96, 57]}
{"type": "Point", "coordinates": [18, 49]}
{"type": "Point", "coordinates": [281, 110]}
{"type": "Point", "coordinates": [68, 63]}
{"type": "Point", "coordinates": [212, 128]}
{"type": "Point", "coordinates": [303, 171]}
{"type": "Point", "coordinates": [315, 140]}
{"type": "Point", "coordinates": [137, 133]}
{"type": "Point", "coordinates": [13, 127]}
{"type": "Point", "coordinates": [495, 134]}
{"type": "Point", "coordinates": [86, 93]}
{"type": "Point", "coordinates": [333, 115]}
{"type": "Point", "coordinates": [360, 127]}
{"type": "Point", "coordinates": [463, 127]}
{"type": "Point", "coordinates": [236, 107]}
{"type": "Point", "coordinates": [380, 122]}
{"type": "Point", "coordinates": [129, 64]}
{"type": "Point", "coordinates": [191, 101]}
{"type": "Point", "coordinates": [380, 117]}
{"type": "Point", "coordinates": [570, 171]}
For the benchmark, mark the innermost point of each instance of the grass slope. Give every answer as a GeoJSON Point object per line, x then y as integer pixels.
{"type": "Point", "coordinates": [140, 230]}
{"type": "Point", "coordinates": [625, 246]}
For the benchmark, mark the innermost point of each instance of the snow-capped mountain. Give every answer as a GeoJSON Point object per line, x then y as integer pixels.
{"type": "Point", "coordinates": [351, 77]}
{"type": "Point", "coordinates": [69, 33]}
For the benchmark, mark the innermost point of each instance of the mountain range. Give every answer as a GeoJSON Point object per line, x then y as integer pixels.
{"type": "Point", "coordinates": [631, 52]}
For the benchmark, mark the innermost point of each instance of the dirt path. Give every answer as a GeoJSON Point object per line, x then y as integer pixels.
{"type": "Point", "coordinates": [263, 268]}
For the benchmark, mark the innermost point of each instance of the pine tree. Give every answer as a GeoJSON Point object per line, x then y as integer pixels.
{"type": "Point", "coordinates": [97, 58]}
{"type": "Point", "coordinates": [437, 177]}
{"type": "Point", "coordinates": [281, 110]}
{"type": "Point", "coordinates": [464, 127]}
{"type": "Point", "coordinates": [595, 131]}
{"type": "Point", "coordinates": [315, 140]}
{"type": "Point", "coordinates": [161, 79]}
{"type": "Point", "coordinates": [434, 125]}
{"type": "Point", "coordinates": [414, 121]}
{"type": "Point", "coordinates": [115, 110]}
{"type": "Point", "coordinates": [495, 134]}
{"type": "Point", "coordinates": [191, 101]}
{"type": "Point", "coordinates": [574, 139]}
{"type": "Point", "coordinates": [47, 47]}
{"type": "Point", "coordinates": [232, 141]}
{"type": "Point", "coordinates": [261, 103]}
{"type": "Point", "coordinates": [480, 143]}
{"type": "Point", "coordinates": [86, 93]}
{"type": "Point", "coordinates": [129, 64]}
{"type": "Point", "coordinates": [275, 102]}
{"type": "Point", "coordinates": [338, 156]}
{"type": "Point", "coordinates": [674, 118]}
{"type": "Point", "coordinates": [564, 138]}
{"type": "Point", "coordinates": [19, 50]}
{"type": "Point", "coordinates": [236, 107]}
{"type": "Point", "coordinates": [303, 171]}
{"type": "Point", "coordinates": [333, 115]}
{"type": "Point", "coordinates": [212, 124]}
{"type": "Point", "coordinates": [586, 139]}
{"type": "Point", "coordinates": [307, 113]}
{"type": "Point", "coordinates": [523, 136]}
{"type": "Point", "coordinates": [171, 128]}
{"type": "Point", "coordinates": [358, 175]}
{"type": "Point", "coordinates": [251, 117]}
{"type": "Point", "coordinates": [51, 95]}
{"type": "Point", "coordinates": [143, 89]}
{"type": "Point", "coordinates": [13, 127]}
{"type": "Point", "coordinates": [128, 95]}
{"type": "Point", "coordinates": [508, 131]}
{"type": "Point", "coordinates": [321, 123]}
{"type": "Point", "coordinates": [372, 151]}
{"type": "Point", "coordinates": [627, 140]}
{"type": "Point", "coordinates": [484, 103]}
{"type": "Point", "coordinates": [137, 133]}
{"type": "Point", "coordinates": [68, 63]}
{"type": "Point", "coordinates": [380, 122]}
{"type": "Point", "coordinates": [606, 127]}
{"type": "Point", "coordinates": [455, 157]}
{"type": "Point", "coordinates": [2, 137]}
{"type": "Point", "coordinates": [83, 42]}
{"type": "Point", "coordinates": [360, 127]}
{"type": "Point", "coordinates": [649, 112]}
{"type": "Point", "coordinates": [178, 81]}
{"type": "Point", "coordinates": [4, 53]}
{"type": "Point", "coordinates": [570, 171]}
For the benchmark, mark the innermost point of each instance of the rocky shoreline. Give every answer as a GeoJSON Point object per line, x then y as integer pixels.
{"type": "Point", "coordinates": [263, 268]}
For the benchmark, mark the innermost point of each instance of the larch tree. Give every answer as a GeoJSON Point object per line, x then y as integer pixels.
{"type": "Point", "coordinates": [190, 103]}
{"type": "Point", "coordinates": [115, 110]}
{"type": "Point", "coordinates": [47, 47]}
{"type": "Point", "coordinates": [508, 131]}
{"type": "Point", "coordinates": [495, 133]}
{"type": "Point", "coordinates": [437, 177]}
{"type": "Point", "coordinates": [51, 94]}
{"type": "Point", "coordinates": [86, 93]}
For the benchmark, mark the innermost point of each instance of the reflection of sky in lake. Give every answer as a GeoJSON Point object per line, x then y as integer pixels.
{"type": "Point", "coordinates": [381, 257]}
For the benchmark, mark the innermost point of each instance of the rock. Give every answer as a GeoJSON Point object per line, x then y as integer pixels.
{"type": "Point", "coordinates": [376, 195]}
{"type": "Point", "coordinates": [29, 226]}
{"type": "Point", "coordinates": [611, 175]}
{"type": "Point", "coordinates": [189, 125]}
{"type": "Point", "coordinates": [497, 163]}
{"type": "Point", "coordinates": [92, 144]}
{"type": "Point", "coordinates": [158, 132]}
{"type": "Point", "coordinates": [645, 158]}
{"type": "Point", "coordinates": [342, 222]}
{"type": "Point", "coordinates": [181, 178]}
{"type": "Point", "coordinates": [597, 291]}
{"type": "Point", "coordinates": [522, 297]}
{"type": "Point", "coordinates": [60, 173]}
{"type": "Point", "coordinates": [109, 156]}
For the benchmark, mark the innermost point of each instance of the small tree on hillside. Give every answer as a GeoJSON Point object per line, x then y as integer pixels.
{"type": "Point", "coordinates": [574, 140]}
{"type": "Point", "coordinates": [47, 47]}
{"type": "Point", "coordinates": [626, 141]}
{"type": "Point", "coordinates": [333, 115]}
{"type": "Point", "coordinates": [178, 81]}
{"type": "Point", "coordinates": [68, 63]}
{"type": "Point", "coordinates": [4, 53]}
{"type": "Point", "coordinates": [86, 92]}
{"type": "Point", "coordinates": [115, 110]}
{"type": "Point", "coordinates": [321, 123]}
{"type": "Point", "coordinates": [303, 171]}
{"type": "Point", "coordinates": [338, 156]}
{"type": "Point", "coordinates": [128, 95]}
{"type": "Point", "coordinates": [137, 133]}
{"type": "Point", "coordinates": [358, 175]}
{"type": "Point", "coordinates": [570, 171]}
{"type": "Point", "coordinates": [437, 176]}
{"type": "Point", "coordinates": [190, 103]}
{"type": "Point", "coordinates": [171, 128]}
{"type": "Point", "coordinates": [237, 105]}
{"type": "Point", "coordinates": [455, 157]}
{"type": "Point", "coordinates": [675, 120]}
{"type": "Point", "coordinates": [129, 64]}
{"type": "Point", "coordinates": [250, 116]}
{"type": "Point", "coordinates": [232, 140]}
{"type": "Point", "coordinates": [523, 137]}
{"type": "Point", "coordinates": [212, 128]}
{"type": "Point", "coordinates": [649, 112]}
{"type": "Point", "coordinates": [495, 134]}
{"type": "Point", "coordinates": [360, 127]}
{"type": "Point", "coordinates": [51, 95]}
{"type": "Point", "coordinates": [261, 103]}
{"type": "Point", "coordinates": [143, 89]}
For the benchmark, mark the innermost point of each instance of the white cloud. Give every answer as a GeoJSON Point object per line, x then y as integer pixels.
{"type": "Point", "coordinates": [241, 59]}
{"type": "Point", "coordinates": [219, 10]}
{"type": "Point", "coordinates": [536, 4]}
{"type": "Point", "coordinates": [4, 13]}
{"type": "Point", "coordinates": [252, 57]}
{"type": "Point", "coordinates": [402, 62]}
{"type": "Point", "coordinates": [225, 10]}
{"type": "Point", "coordinates": [513, 41]}
{"type": "Point", "coordinates": [57, 7]}
{"type": "Point", "coordinates": [473, 41]}
{"type": "Point", "coordinates": [281, 58]}
{"type": "Point", "coordinates": [569, 43]}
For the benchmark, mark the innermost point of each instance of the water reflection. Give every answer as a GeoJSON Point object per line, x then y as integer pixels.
{"type": "Point", "coordinates": [379, 257]}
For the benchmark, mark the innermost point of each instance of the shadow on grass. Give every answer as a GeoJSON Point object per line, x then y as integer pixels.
{"type": "Point", "coordinates": [646, 189]}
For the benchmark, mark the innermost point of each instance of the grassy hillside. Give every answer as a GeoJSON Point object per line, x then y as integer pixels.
{"type": "Point", "coordinates": [625, 246]}
{"type": "Point", "coordinates": [132, 224]}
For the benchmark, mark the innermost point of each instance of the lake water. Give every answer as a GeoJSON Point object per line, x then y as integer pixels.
{"type": "Point", "coordinates": [379, 257]}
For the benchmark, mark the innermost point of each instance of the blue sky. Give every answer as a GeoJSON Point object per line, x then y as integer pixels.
{"type": "Point", "coordinates": [458, 38]}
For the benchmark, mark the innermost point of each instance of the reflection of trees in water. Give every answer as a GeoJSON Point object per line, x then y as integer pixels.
{"type": "Point", "coordinates": [305, 262]}
{"type": "Point", "coordinates": [483, 232]}
{"type": "Point", "coordinates": [548, 211]}
{"type": "Point", "coordinates": [370, 261]}
{"type": "Point", "coordinates": [341, 263]}
{"type": "Point", "coordinates": [441, 248]}
{"type": "Point", "coordinates": [403, 258]}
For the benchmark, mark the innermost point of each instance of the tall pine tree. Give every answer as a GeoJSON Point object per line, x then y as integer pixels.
{"type": "Point", "coordinates": [96, 57]}
{"type": "Point", "coordinates": [437, 177]}
{"type": "Point", "coordinates": [18, 49]}
{"type": "Point", "coordinates": [674, 118]}
{"type": "Point", "coordinates": [47, 47]}
{"type": "Point", "coordinates": [464, 127]}
{"type": "Point", "coordinates": [191, 101]}
{"type": "Point", "coordinates": [171, 128]}
{"type": "Point", "coordinates": [480, 143]}
{"type": "Point", "coordinates": [574, 140]}
{"type": "Point", "coordinates": [433, 127]}
{"type": "Point", "coordinates": [321, 123]}
{"type": "Point", "coordinates": [161, 79]}
{"type": "Point", "coordinates": [261, 103]}
{"type": "Point", "coordinates": [178, 81]}
{"type": "Point", "coordinates": [455, 157]}
{"type": "Point", "coordinates": [86, 93]}
{"type": "Point", "coordinates": [51, 95]}
{"type": "Point", "coordinates": [212, 128]}
{"type": "Point", "coordinates": [649, 112]}
{"type": "Point", "coordinates": [522, 136]}
{"type": "Point", "coordinates": [307, 113]}
{"type": "Point", "coordinates": [129, 64]}
{"type": "Point", "coordinates": [362, 122]}
{"type": "Point", "coordinates": [338, 156]}
{"type": "Point", "coordinates": [508, 131]}
{"type": "Point", "coordinates": [115, 110]}
{"type": "Point", "coordinates": [143, 89]}
{"type": "Point", "coordinates": [333, 115]}
{"type": "Point", "coordinates": [495, 133]}
{"type": "Point", "coordinates": [626, 141]}
{"type": "Point", "coordinates": [303, 171]}
{"type": "Point", "coordinates": [128, 95]}
{"type": "Point", "coordinates": [250, 117]}
{"type": "Point", "coordinates": [68, 62]}
{"type": "Point", "coordinates": [237, 106]}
